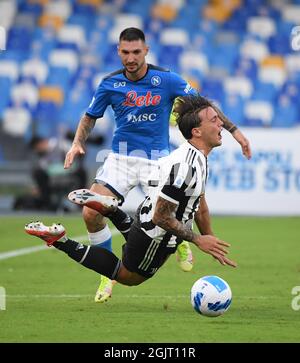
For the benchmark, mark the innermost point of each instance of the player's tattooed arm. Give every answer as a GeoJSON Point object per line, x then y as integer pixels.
{"type": "Point", "coordinates": [86, 124]}
{"type": "Point", "coordinates": [202, 218]}
{"type": "Point", "coordinates": [164, 217]}
{"type": "Point", "coordinates": [84, 128]}
{"type": "Point", "coordinates": [228, 125]}
{"type": "Point", "coordinates": [236, 133]}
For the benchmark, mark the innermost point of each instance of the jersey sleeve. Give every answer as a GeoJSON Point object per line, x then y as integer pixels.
{"type": "Point", "coordinates": [181, 181]}
{"type": "Point", "coordinates": [180, 87]}
{"type": "Point", "coordinates": [99, 102]}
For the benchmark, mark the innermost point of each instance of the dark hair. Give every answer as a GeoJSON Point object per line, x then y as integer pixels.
{"type": "Point", "coordinates": [131, 34]}
{"type": "Point", "coordinates": [186, 111]}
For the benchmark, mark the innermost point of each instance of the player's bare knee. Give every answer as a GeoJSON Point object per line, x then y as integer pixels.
{"type": "Point", "coordinates": [132, 282]}
{"type": "Point", "coordinates": [129, 278]}
{"type": "Point", "coordinates": [93, 219]}
{"type": "Point", "coordinates": [89, 214]}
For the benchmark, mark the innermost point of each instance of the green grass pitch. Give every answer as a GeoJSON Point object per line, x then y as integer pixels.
{"type": "Point", "coordinates": [49, 298]}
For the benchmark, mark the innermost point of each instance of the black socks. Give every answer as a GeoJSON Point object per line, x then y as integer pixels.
{"type": "Point", "coordinates": [93, 257]}
{"type": "Point", "coordinates": [122, 221]}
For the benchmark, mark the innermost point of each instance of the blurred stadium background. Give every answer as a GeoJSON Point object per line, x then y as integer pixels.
{"type": "Point", "coordinates": [236, 52]}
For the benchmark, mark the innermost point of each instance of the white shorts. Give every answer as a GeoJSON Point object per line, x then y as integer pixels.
{"type": "Point", "coordinates": [121, 173]}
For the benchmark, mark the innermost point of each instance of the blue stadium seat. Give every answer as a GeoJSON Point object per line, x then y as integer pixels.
{"type": "Point", "coordinates": [75, 104]}
{"type": "Point", "coordinates": [270, 11]}
{"type": "Point", "coordinates": [87, 22]}
{"type": "Point", "coordinates": [286, 113]}
{"type": "Point", "coordinates": [252, 5]}
{"type": "Point", "coordinates": [213, 89]}
{"type": "Point", "coordinates": [279, 44]}
{"type": "Point", "coordinates": [19, 38]}
{"type": "Point", "coordinates": [233, 107]}
{"type": "Point", "coordinates": [138, 7]}
{"type": "Point", "coordinates": [83, 9]}
{"type": "Point", "coordinates": [33, 8]}
{"type": "Point", "coordinates": [237, 22]}
{"type": "Point", "coordinates": [16, 55]}
{"type": "Point", "coordinates": [169, 56]}
{"type": "Point", "coordinates": [264, 92]}
{"type": "Point", "coordinates": [285, 27]}
{"type": "Point", "coordinates": [245, 67]}
{"type": "Point", "coordinates": [59, 76]}
{"type": "Point", "coordinates": [242, 13]}
{"type": "Point", "coordinates": [187, 18]}
{"type": "Point", "coordinates": [291, 89]}
{"type": "Point", "coordinates": [44, 41]}
{"type": "Point", "coordinates": [226, 57]}
{"type": "Point", "coordinates": [5, 87]}
{"type": "Point", "coordinates": [67, 45]}
{"type": "Point", "coordinates": [45, 119]}
{"type": "Point", "coordinates": [153, 27]}
{"type": "Point", "coordinates": [111, 57]}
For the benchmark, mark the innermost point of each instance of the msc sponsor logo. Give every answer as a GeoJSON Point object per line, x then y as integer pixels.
{"type": "Point", "coordinates": [133, 100]}
{"type": "Point", "coordinates": [142, 117]}
{"type": "Point", "coordinates": [156, 80]}
{"type": "Point", "coordinates": [119, 84]}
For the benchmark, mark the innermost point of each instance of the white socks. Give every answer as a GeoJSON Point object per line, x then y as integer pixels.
{"type": "Point", "coordinates": [100, 237]}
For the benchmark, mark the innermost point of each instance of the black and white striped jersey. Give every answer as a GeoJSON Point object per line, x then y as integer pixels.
{"type": "Point", "coordinates": [180, 179]}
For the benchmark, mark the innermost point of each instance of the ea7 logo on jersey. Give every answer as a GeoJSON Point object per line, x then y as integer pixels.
{"type": "Point", "coordinates": [119, 84]}
{"type": "Point", "coordinates": [132, 99]}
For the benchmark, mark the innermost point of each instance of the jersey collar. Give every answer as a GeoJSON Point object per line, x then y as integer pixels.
{"type": "Point", "coordinates": [124, 73]}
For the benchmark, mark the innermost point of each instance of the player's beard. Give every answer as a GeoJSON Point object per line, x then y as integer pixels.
{"type": "Point", "coordinates": [135, 67]}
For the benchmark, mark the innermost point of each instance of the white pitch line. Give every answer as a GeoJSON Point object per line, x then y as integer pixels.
{"type": "Point", "coordinates": [28, 250]}
{"type": "Point", "coordinates": [133, 296]}
{"type": "Point", "coordinates": [73, 296]}
{"type": "Point", "coordinates": [21, 251]}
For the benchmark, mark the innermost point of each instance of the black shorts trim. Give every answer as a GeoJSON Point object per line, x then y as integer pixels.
{"type": "Point", "coordinates": [142, 254]}
{"type": "Point", "coordinates": [112, 189]}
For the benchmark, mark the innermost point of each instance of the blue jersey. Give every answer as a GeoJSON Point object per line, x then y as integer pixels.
{"type": "Point", "coordinates": [142, 110]}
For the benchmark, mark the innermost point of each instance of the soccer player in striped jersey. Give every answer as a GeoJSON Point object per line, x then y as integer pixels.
{"type": "Point", "coordinates": [142, 96]}
{"type": "Point", "coordinates": [176, 199]}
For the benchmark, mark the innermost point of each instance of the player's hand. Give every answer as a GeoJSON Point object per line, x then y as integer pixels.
{"type": "Point", "coordinates": [215, 247]}
{"type": "Point", "coordinates": [76, 150]}
{"type": "Point", "coordinates": [244, 142]}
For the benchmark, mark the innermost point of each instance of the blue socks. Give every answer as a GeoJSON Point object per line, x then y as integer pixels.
{"type": "Point", "coordinates": [101, 239]}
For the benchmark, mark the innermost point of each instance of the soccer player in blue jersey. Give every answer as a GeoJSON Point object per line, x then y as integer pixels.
{"type": "Point", "coordinates": [142, 96]}
{"type": "Point", "coordinates": [166, 215]}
